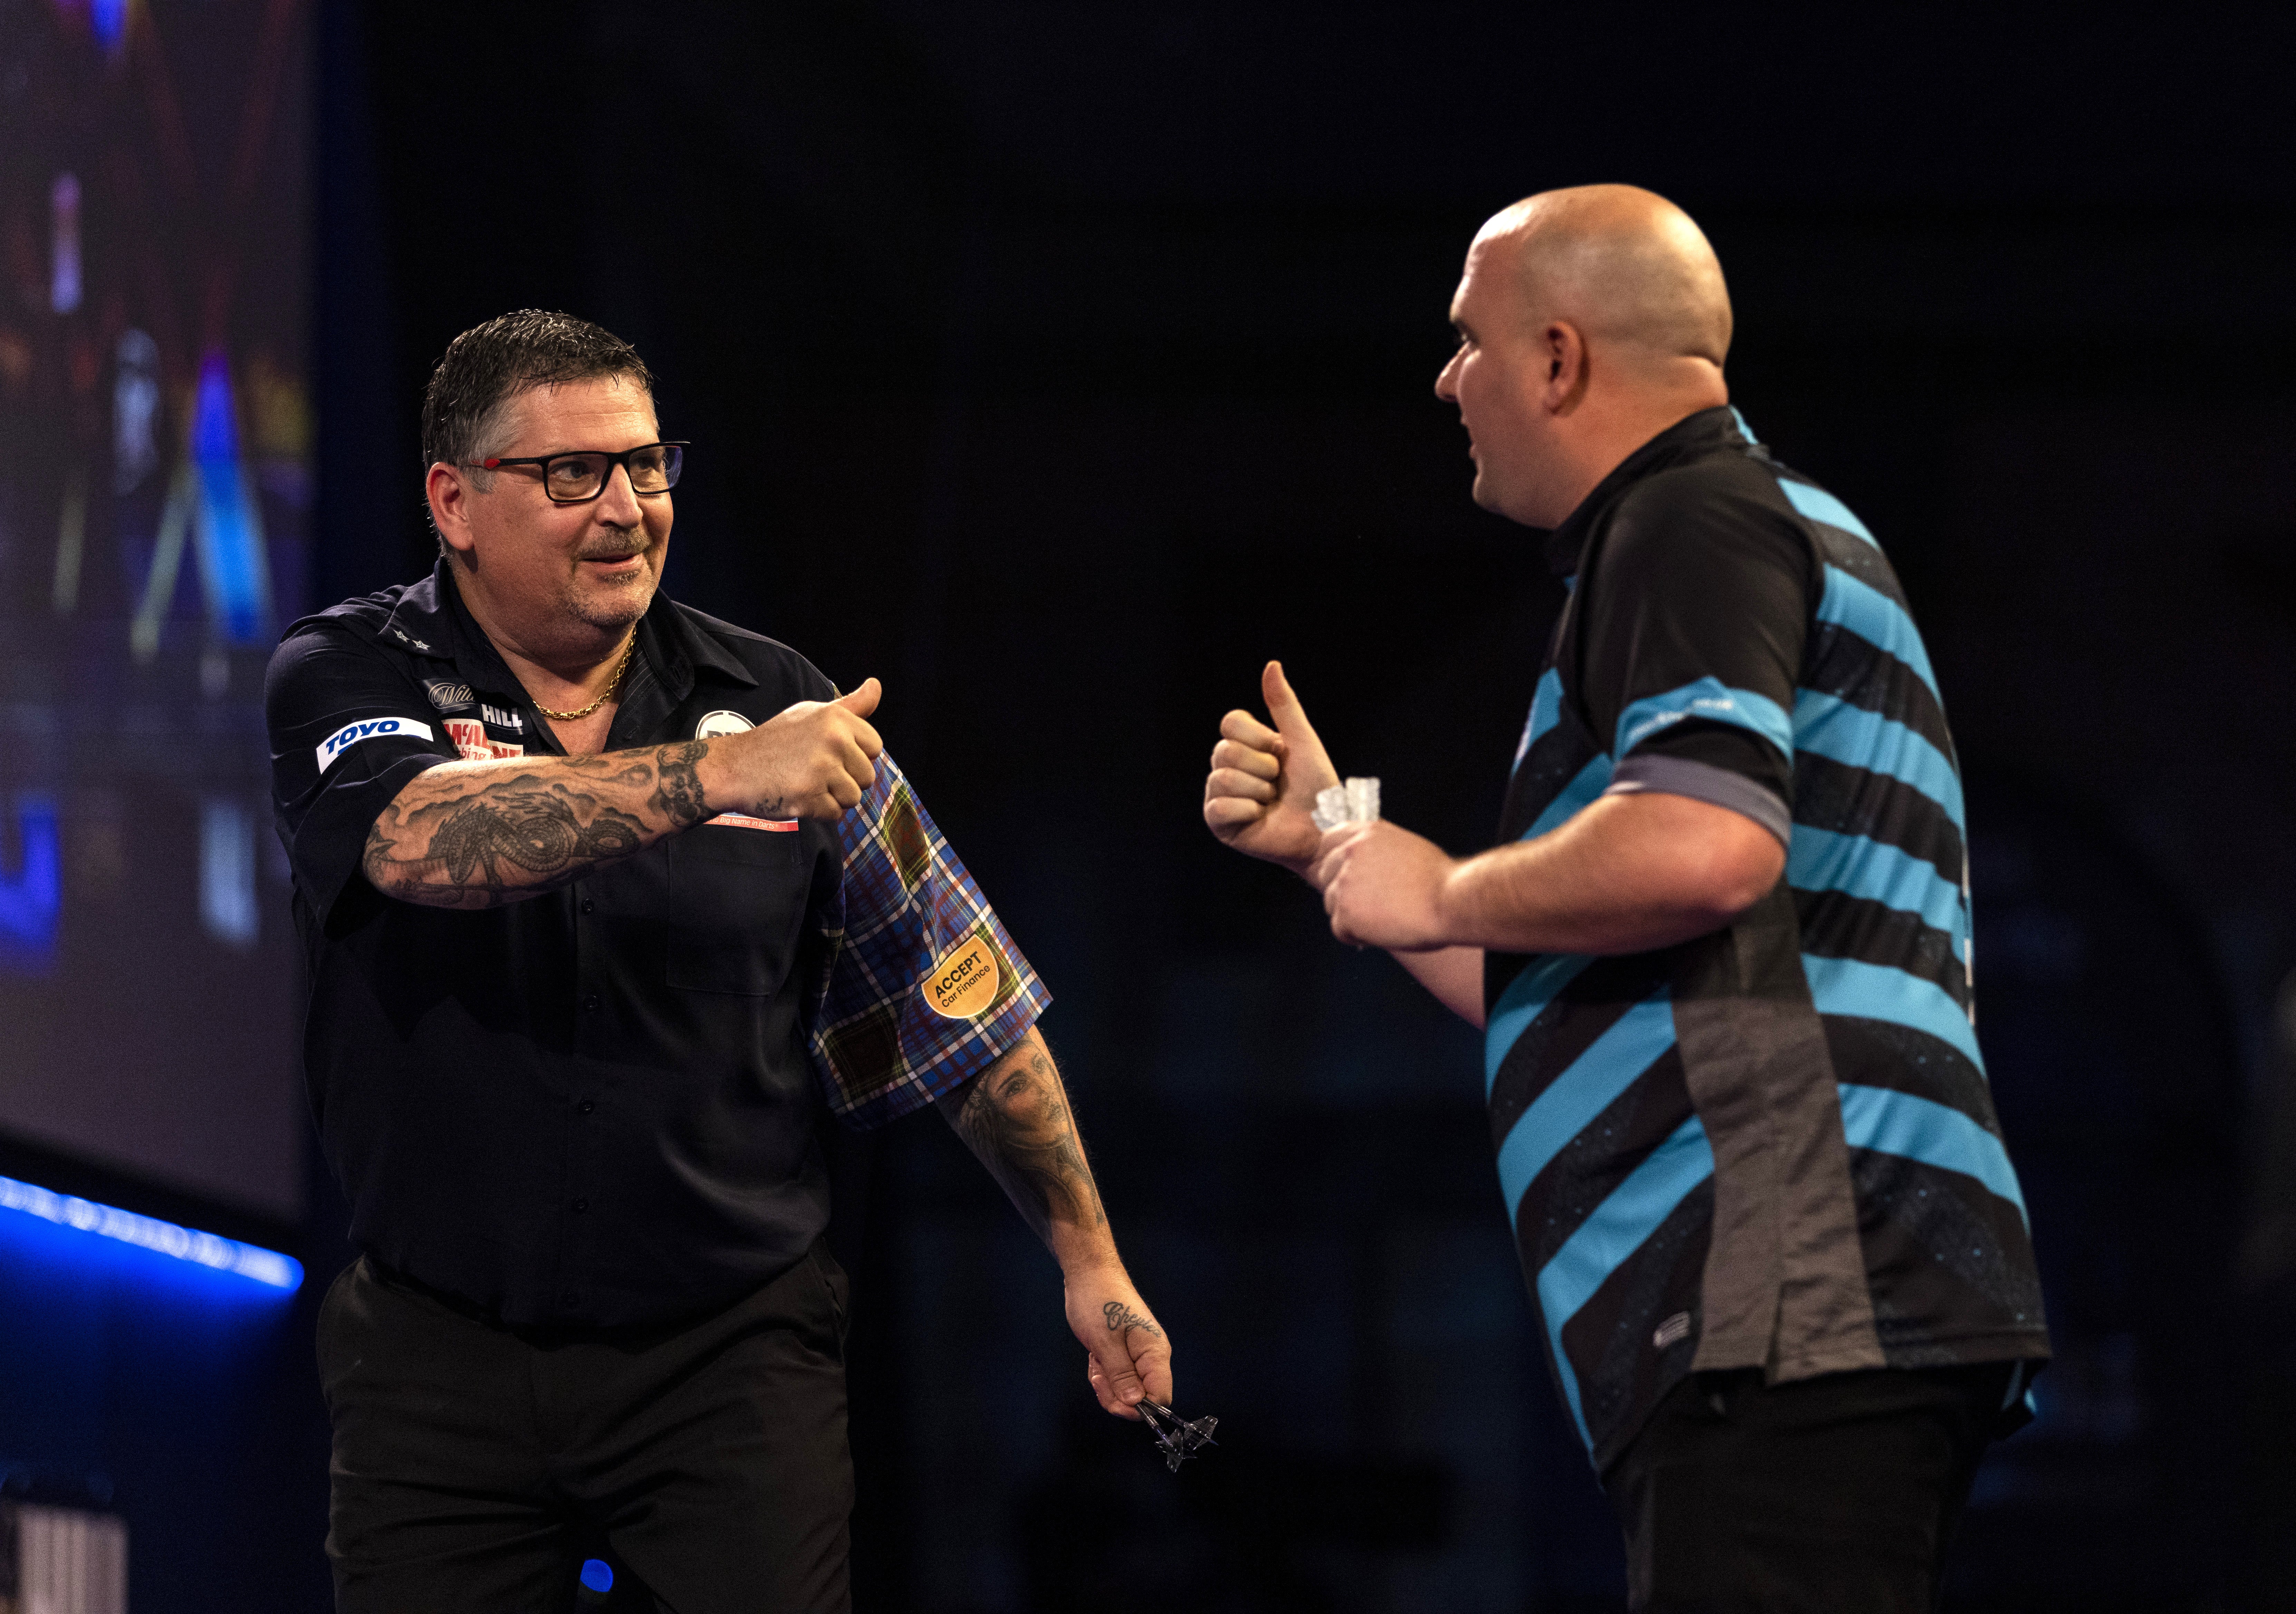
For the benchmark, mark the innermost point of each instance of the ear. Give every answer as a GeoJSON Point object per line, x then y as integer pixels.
{"type": "Point", "coordinates": [450, 507]}
{"type": "Point", "coordinates": [1563, 356]}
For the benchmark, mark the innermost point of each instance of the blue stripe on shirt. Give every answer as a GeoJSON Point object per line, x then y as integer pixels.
{"type": "Point", "coordinates": [1877, 619]}
{"type": "Point", "coordinates": [1585, 786]}
{"type": "Point", "coordinates": [1714, 701]}
{"type": "Point", "coordinates": [1894, 1122]}
{"type": "Point", "coordinates": [1525, 998]}
{"type": "Point", "coordinates": [1545, 712]}
{"type": "Point", "coordinates": [1589, 1085]}
{"type": "Point", "coordinates": [1820, 859]}
{"type": "Point", "coordinates": [1610, 1237]}
{"type": "Point", "coordinates": [1819, 505]}
{"type": "Point", "coordinates": [1876, 991]}
{"type": "Point", "coordinates": [1826, 726]}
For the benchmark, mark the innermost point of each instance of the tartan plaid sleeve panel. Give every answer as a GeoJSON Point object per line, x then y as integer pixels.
{"type": "Point", "coordinates": [922, 988]}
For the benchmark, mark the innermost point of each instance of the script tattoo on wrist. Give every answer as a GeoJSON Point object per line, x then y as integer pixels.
{"type": "Point", "coordinates": [1123, 1319]}
{"type": "Point", "coordinates": [1016, 1118]}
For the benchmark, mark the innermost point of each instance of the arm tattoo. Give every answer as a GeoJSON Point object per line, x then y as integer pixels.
{"type": "Point", "coordinates": [460, 838]}
{"type": "Point", "coordinates": [678, 788]}
{"type": "Point", "coordinates": [1123, 1319]}
{"type": "Point", "coordinates": [1015, 1117]}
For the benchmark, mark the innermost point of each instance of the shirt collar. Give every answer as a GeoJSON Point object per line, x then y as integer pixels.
{"type": "Point", "coordinates": [1707, 430]}
{"type": "Point", "coordinates": [431, 619]}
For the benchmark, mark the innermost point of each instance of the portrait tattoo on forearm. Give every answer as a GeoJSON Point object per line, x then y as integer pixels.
{"type": "Point", "coordinates": [1016, 1118]}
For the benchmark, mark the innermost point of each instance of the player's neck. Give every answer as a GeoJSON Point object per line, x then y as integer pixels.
{"type": "Point", "coordinates": [563, 664]}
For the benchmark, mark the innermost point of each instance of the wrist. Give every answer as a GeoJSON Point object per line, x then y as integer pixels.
{"type": "Point", "coordinates": [1454, 904]}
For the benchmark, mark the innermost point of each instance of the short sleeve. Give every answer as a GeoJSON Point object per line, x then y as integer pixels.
{"type": "Point", "coordinates": [1695, 611]}
{"type": "Point", "coordinates": [923, 988]}
{"type": "Point", "coordinates": [348, 731]}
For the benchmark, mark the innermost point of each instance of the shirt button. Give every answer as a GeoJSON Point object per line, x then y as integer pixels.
{"type": "Point", "coordinates": [581, 1204]}
{"type": "Point", "coordinates": [590, 1001]}
{"type": "Point", "coordinates": [588, 904]}
{"type": "Point", "coordinates": [586, 1106]}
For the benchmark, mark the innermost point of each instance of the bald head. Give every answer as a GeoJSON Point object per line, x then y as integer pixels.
{"type": "Point", "coordinates": [1625, 266]}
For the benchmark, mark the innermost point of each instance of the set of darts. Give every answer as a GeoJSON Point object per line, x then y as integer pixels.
{"type": "Point", "coordinates": [1176, 1439]}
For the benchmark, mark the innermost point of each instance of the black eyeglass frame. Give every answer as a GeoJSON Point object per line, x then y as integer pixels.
{"type": "Point", "coordinates": [623, 459]}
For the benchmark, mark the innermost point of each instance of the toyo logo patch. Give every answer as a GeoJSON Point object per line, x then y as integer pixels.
{"type": "Point", "coordinates": [374, 728]}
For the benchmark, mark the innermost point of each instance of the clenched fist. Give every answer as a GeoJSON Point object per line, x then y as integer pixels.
{"type": "Point", "coordinates": [812, 761]}
{"type": "Point", "coordinates": [1260, 795]}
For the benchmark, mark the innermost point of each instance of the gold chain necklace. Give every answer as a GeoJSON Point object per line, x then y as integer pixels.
{"type": "Point", "coordinates": [604, 695]}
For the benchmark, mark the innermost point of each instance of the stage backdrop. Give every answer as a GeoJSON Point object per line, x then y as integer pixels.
{"type": "Point", "coordinates": [155, 437]}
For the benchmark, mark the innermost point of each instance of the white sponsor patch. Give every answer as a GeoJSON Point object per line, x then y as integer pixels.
{"type": "Point", "coordinates": [721, 722]}
{"type": "Point", "coordinates": [374, 728]}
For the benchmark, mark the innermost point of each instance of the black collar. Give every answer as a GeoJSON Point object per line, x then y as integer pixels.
{"type": "Point", "coordinates": [431, 619]}
{"type": "Point", "coordinates": [1707, 430]}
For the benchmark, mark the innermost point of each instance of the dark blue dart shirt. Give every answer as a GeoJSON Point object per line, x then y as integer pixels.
{"type": "Point", "coordinates": [596, 1107]}
{"type": "Point", "coordinates": [1772, 1146]}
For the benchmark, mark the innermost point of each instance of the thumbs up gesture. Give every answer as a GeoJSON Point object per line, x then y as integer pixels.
{"type": "Point", "coordinates": [1261, 792]}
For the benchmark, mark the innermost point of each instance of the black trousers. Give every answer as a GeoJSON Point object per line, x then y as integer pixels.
{"type": "Point", "coordinates": [1823, 1496]}
{"type": "Point", "coordinates": [472, 1462]}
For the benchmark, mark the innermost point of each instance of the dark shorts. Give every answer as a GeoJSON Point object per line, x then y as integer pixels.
{"type": "Point", "coordinates": [475, 1465]}
{"type": "Point", "coordinates": [1825, 1495]}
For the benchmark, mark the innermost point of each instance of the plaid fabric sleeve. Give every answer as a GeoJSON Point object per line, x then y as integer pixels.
{"type": "Point", "coordinates": [921, 987]}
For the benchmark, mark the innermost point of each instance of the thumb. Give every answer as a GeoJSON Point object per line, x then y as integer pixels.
{"type": "Point", "coordinates": [1291, 720]}
{"type": "Point", "coordinates": [1113, 1357]}
{"type": "Point", "coordinates": [863, 700]}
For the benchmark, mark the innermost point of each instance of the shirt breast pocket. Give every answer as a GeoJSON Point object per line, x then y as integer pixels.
{"type": "Point", "coordinates": [737, 906]}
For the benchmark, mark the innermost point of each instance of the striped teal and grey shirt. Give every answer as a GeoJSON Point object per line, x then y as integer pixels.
{"type": "Point", "coordinates": [1773, 1146]}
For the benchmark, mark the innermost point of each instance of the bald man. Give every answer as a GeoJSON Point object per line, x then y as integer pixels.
{"type": "Point", "coordinates": [1719, 951]}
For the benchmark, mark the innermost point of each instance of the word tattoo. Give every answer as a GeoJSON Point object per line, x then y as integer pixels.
{"type": "Point", "coordinates": [1122, 1319]}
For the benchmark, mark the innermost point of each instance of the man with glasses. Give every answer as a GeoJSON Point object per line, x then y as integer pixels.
{"type": "Point", "coordinates": [603, 901]}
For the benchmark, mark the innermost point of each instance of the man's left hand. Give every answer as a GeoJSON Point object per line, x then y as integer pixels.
{"type": "Point", "coordinates": [1128, 1354]}
{"type": "Point", "coordinates": [1382, 886]}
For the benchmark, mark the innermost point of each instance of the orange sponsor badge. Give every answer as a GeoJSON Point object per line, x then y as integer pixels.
{"type": "Point", "coordinates": [963, 983]}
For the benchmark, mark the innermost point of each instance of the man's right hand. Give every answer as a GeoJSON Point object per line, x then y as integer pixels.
{"type": "Point", "coordinates": [810, 761]}
{"type": "Point", "coordinates": [1260, 797]}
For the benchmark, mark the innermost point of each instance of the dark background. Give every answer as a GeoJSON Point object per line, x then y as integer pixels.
{"type": "Point", "coordinates": [1059, 365]}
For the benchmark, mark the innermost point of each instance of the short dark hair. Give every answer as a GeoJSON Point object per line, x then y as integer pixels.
{"type": "Point", "coordinates": [488, 365]}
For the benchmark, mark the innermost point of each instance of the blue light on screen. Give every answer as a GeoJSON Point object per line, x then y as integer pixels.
{"type": "Point", "coordinates": [228, 1258]}
{"type": "Point", "coordinates": [31, 893]}
{"type": "Point", "coordinates": [229, 526]}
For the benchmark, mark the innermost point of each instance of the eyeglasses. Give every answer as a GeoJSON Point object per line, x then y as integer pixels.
{"type": "Point", "coordinates": [577, 479]}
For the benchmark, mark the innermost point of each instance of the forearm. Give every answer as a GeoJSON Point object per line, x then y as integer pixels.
{"type": "Point", "coordinates": [1015, 1118]}
{"type": "Point", "coordinates": [1630, 874]}
{"type": "Point", "coordinates": [1454, 974]}
{"type": "Point", "coordinates": [481, 834]}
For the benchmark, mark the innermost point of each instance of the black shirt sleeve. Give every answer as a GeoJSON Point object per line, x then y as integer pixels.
{"type": "Point", "coordinates": [349, 729]}
{"type": "Point", "coordinates": [1695, 607]}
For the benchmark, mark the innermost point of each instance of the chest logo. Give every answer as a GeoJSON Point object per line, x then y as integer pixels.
{"type": "Point", "coordinates": [964, 984]}
{"type": "Point", "coordinates": [373, 728]}
{"type": "Point", "coordinates": [446, 695]}
{"type": "Point", "coordinates": [470, 737]}
{"type": "Point", "coordinates": [742, 821]}
{"type": "Point", "coordinates": [721, 722]}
